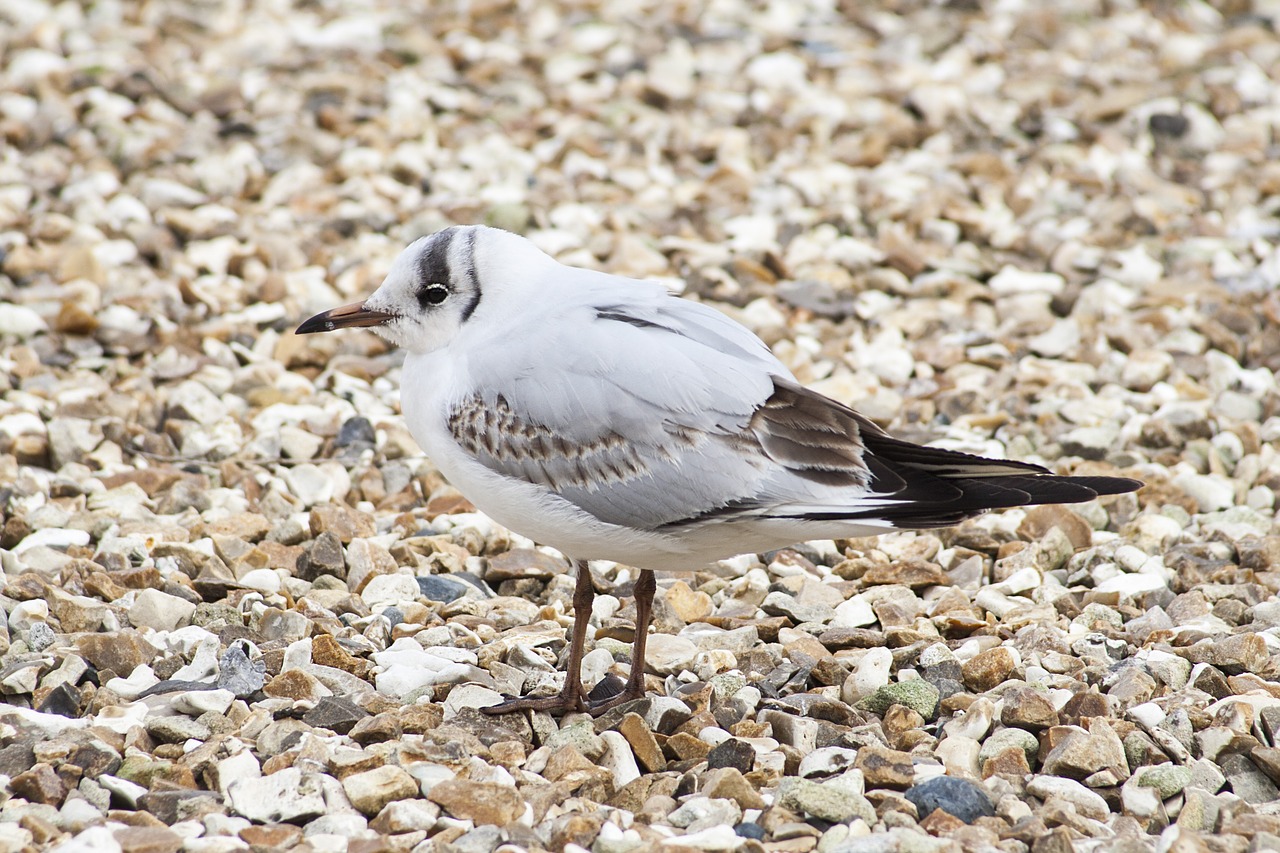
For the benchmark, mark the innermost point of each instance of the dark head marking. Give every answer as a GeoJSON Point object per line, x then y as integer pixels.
{"type": "Point", "coordinates": [467, 274]}
{"type": "Point", "coordinates": [446, 271]}
{"type": "Point", "coordinates": [434, 281]}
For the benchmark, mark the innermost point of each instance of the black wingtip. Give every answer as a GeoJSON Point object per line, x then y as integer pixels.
{"type": "Point", "coordinates": [1108, 485]}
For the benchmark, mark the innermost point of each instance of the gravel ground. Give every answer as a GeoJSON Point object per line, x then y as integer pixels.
{"type": "Point", "coordinates": [242, 611]}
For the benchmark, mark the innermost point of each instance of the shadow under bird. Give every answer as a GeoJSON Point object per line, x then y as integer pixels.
{"type": "Point", "coordinates": [607, 418]}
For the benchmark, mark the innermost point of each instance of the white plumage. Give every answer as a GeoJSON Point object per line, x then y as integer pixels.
{"type": "Point", "coordinates": [611, 420]}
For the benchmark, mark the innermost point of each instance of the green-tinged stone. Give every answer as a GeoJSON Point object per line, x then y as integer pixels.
{"type": "Point", "coordinates": [1167, 779]}
{"type": "Point", "coordinates": [916, 694]}
{"type": "Point", "coordinates": [828, 801]}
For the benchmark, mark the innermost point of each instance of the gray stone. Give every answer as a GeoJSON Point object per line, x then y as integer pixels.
{"type": "Point", "coordinates": [581, 736]}
{"type": "Point", "coordinates": [828, 801]}
{"type": "Point", "coordinates": [40, 636]}
{"type": "Point", "coordinates": [781, 604]}
{"type": "Point", "coordinates": [160, 611]}
{"type": "Point", "coordinates": [442, 588]}
{"type": "Point", "coordinates": [1247, 781]}
{"type": "Point", "coordinates": [957, 797]}
{"type": "Point", "coordinates": [176, 729]}
{"type": "Point", "coordinates": [285, 796]}
{"type": "Point", "coordinates": [1166, 779]}
{"type": "Point", "coordinates": [240, 675]}
{"type": "Point", "coordinates": [915, 693]}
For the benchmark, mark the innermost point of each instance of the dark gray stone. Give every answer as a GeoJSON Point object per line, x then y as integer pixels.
{"type": "Point", "coordinates": [734, 753]}
{"type": "Point", "coordinates": [961, 798]}
{"type": "Point", "coordinates": [357, 430]}
{"type": "Point", "coordinates": [240, 675]}
{"type": "Point", "coordinates": [63, 700]}
{"type": "Point", "coordinates": [441, 588]}
{"type": "Point", "coordinates": [335, 713]}
{"type": "Point", "coordinates": [324, 557]}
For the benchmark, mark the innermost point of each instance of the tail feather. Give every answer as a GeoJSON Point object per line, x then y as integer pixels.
{"type": "Point", "coordinates": [917, 487]}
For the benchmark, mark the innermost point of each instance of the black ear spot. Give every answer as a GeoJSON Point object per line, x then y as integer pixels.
{"type": "Point", "coordinates": [433, 294]}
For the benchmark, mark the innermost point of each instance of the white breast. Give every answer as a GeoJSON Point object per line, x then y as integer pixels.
{"type": "Point", "coordinates": [429, 385]}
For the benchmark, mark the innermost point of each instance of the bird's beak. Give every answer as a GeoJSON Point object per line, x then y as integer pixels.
{"type": "Point", "coordinates": [344, 317]}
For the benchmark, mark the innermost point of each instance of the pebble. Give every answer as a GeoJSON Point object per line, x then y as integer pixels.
{"type": "Point", "coordinates": [960, 798]}
{"type": "Point", "coordinates": [160, 611]}
{"type": "Point", "coordinates": [284, 796]}
{"type": "Point", "coordinates": [916, 694]}
{"type": "Point", "coordinates": [828, 801]}
{"type": "Point", "coordinates": [1086, 802]}
{"type": "Point", "coordinates": [372, 790]}
{"type": "Point", "coordinates": [486, 803]}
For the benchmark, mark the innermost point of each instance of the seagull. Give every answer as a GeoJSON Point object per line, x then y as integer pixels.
{"type": "Point", "coordinates": [612, 420]}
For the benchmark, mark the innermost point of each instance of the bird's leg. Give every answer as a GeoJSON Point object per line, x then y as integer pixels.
{"type": "Point", "coordinates": [645, 587]}
{"type": "Point", "coordinates": [570, 698]}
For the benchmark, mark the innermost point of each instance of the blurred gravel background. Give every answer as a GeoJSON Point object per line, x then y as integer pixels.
{"type": "Point", "coordinates": [242, 611]}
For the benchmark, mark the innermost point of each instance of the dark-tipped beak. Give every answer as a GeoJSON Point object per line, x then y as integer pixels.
{"type": "Point", "coordinates": [344, 317]}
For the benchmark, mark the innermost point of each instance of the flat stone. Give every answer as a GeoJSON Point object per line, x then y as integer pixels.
{"type": "Point", "coordinates": [781, 604]}
{"type": "Point", "coordinates": [914, 693]}
{"type": "Point", "coordinates": [120, 651]}
{"type": "Point", "coordinates": [732, 753]}
{"type": "Point", "coordinates": [442, 588]}
{"type": "Point", "coordinates": [279, 836]}
{"type": "Point", "coordinates": [698, 812]}
{"type": "Point", "coordinates": [1007, 738]}
{"type": "Point", "coordinates": [1166, 779]}
{"type": "Point", "coordinates": [688, 604]}
{"type": "Point", "coordinates": [284, 796]}
{"type": "Point", "coordinates": [335, 713]}
{"type": "Point", "coordinates": [160, 611]}
{"type": "Point", "coordinates": [342, 521]}
{"type": "Point", "coordinates": [372, 790]}
{"type": "Point", "coordinates": [669, 655]}
{"type": "Point", "coordinates": [828, 801]}
{"type": "Point", "coordinates": [1040, 519]}
{"type": "Point", "coordinates": [296, 685]}
{"type": "Point", "coordinates": [406, 815]}
{"type": "Point", "coordinates": [1233, 654]}
{"type": "Point", "coordinates": [389, 589]}
{"type": "Point", "coordinates": [1247, 781]}
{"type": "Point", "coordinates": [885, 768]}
{"type": "Point", "coordinates": [916, 574]}
{"type": "Point", "coordinates": [523, 563]}
{"type": "Point", "coordinates": [177, 729]}
{"type": "Point", "coordinates": [486, 803]}
{"type": "Point", "coordinates": [1086, 802]}
{"type": "Point", "coordinates": [147, 839]}
{"type": "Point", "coordinates": [825, 762]}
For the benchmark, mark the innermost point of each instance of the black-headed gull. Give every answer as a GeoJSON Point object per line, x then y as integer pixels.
{"type": "Point", "coordinates": [612, 420]}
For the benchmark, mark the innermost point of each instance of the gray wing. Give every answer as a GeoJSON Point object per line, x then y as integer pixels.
{"type": "Point", "coordinates": [660, 413]}
{"type": "Point", "coordinates": [655, 412]}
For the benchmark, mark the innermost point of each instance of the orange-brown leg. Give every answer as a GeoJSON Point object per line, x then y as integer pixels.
{"type": "Point", "coordinates": [571, 697]}
{"type": "Point", "coordinates": [645, 587]}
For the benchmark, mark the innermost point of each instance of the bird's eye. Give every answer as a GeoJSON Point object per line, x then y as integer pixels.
{"type": "Point", "coordinates": [433, 294]}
